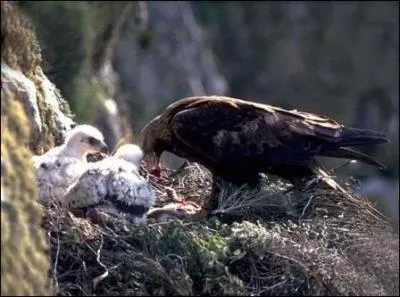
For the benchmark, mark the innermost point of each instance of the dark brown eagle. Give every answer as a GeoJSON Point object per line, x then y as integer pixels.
{"type": "Point", "coordinates": [237, 139]}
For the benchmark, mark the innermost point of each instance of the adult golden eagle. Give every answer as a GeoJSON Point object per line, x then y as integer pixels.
{"type": "Point", "coordinates": [237, 139]}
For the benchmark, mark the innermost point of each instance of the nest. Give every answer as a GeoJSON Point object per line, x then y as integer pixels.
{"type": "Point", "coordinates": [190, 182]}
{"type": "Point", "coordinates": [285, 243]}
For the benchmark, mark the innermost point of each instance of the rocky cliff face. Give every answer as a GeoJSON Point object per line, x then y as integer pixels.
{"type": "Point", "coordinates": [34, 117]}
{"type": "Point", "coordinates": [46, 110]}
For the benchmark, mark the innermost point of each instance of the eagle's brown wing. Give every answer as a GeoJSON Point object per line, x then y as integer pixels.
{"type": "Point", "coordinates": [224, 130]}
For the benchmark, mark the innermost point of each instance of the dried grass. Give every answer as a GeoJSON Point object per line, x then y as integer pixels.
{"type": "Point", "coordinates": [284, 244]}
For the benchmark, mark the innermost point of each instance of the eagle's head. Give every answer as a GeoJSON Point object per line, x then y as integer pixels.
{"type": "Point", "coordinates": [154, 139]}
{"type": "Point", "coordinates": [157, 135]}
{"type": "Point", "coordinates": [85, 139]}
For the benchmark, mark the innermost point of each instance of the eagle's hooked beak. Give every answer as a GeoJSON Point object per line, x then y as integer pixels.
{"type": "Point", "coordinates": [154, 161]}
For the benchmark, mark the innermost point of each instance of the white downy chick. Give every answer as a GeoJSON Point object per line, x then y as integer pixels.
{"type": "Point", "coordinates": [80, 141]}
{"type": "Point", "coordinates": [114, 185]}
{"type": "Point", "coordinates": [58, 169]}
{"type": "Point", "coordinates": [131, 153]}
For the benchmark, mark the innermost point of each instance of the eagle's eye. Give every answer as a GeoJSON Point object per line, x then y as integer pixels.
{"type": "Point", "coordinates": [92, 141]}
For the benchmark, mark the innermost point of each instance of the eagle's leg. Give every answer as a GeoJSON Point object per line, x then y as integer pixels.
{"type": "Point", "coordinates": [302, 178]}
{"type": "Point", "coordinates": [211, 201]}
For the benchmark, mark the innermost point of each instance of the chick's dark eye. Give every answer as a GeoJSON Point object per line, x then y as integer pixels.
{"type": "Point", "coordinates": [92, 141]}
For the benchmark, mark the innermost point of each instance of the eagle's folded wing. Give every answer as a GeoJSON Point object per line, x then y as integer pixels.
{"type": "Point", "coordinates": [221, 129]}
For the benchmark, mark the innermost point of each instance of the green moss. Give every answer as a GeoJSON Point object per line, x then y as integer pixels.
{"type": "Point", "coordinates": [201, 246]}
{"type": "Point", "coordinates": [49, 129]}
{"type": "Point", "coordinates": [19, 48]}
{"type": "Point", "coordinates": [23, 258]}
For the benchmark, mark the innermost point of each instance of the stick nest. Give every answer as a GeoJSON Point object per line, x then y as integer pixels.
{"type": "Point", "coordinates": [277, 244]}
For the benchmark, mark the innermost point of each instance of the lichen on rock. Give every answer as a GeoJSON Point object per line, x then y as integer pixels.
{"type": "Point", "coordinates": [47, 112]}
{"type": "Point", "coordinates": [55, 114]}
{"type": "Point", "coordinates": [19, 48]}
{"type": "Point", "coordinates": [16, 82]}
{"type": "Point", "coordinates": [23, 244]}
{"type": "Point", "coordinates": [34, 117]}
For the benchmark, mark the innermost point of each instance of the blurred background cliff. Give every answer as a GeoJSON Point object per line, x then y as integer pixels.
{"type": "Point", "coordinates": [119, 63]}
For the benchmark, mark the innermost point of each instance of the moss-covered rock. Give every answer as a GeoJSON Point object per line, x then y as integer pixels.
{"type": "Point", "coordinates": [21, 73]}
{"type": "Point", "coordinates": [23, 245]}
{"type": "Point", "coordinates": [34, 117]}
{"type": "Point", "coordinates": [55, 115]}
{"type": "Point", "coordinates": [19, 46]}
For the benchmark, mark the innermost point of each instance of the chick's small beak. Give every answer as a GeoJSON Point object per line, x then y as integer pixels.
{"type": "Point", "coordinates": [104, 148]}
